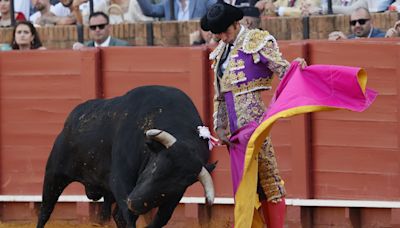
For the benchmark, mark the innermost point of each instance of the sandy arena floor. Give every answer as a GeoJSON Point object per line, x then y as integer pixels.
{"type": "Point", "coordinates": [52, 225]}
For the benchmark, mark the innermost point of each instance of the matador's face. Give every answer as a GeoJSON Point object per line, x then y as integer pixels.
{"type": "Point", "coordinates": [229, 36]}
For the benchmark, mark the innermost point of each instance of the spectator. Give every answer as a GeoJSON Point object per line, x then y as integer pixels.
{"type": "Point", "coordinates": [348, 6]}
{"type": "Point", "coordinates": [99, 32]}
{"type": "Point", "coordinates": [47, 14]}
{"type": "Point", "coordinates": [183, 10]}
{"type": "Point", "coordinates": [116, 11]}
{"type": "Point", "coordinates": [395, 6]}
{"type": "Point", "coordinates": [25, 37]}
{"type": "Point", "coordinates": [394, 31]}
{"type": "Point", "coordinates": [80, 9]}
{"type": "Point", "coordinates": [135, 13]}
{"type": "Point", "coordinates": [5, 17]}
{"type": "Point", "coordinates": [294, 8]}
{"type": "Point", "coordinates": [23, 6]}
{"type": "Point", "coordinates": [361, 27]}
{"type": "Point", "coordinates": [251, 17]}
{"type": "Point", "coordinates": [121, 11]}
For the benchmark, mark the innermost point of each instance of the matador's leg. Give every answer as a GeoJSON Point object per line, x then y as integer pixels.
{"type": "Point", "coordinates": [273, 207]}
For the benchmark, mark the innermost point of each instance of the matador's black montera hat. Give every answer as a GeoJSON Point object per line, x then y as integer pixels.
{"type": "Point", "coordinates": [219, 17]}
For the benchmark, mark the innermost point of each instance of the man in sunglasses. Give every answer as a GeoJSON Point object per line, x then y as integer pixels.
{"type": "Point", "coordinates": [361, 26]}
{"type": "Point", "coordinates": [99, 32]}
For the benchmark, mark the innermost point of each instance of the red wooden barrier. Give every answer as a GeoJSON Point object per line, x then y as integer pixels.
{"type": "Point", "coordinates": [356, 154]}
{"type": "Point", "coordinates": [328, 155]}
{"type": "Point", "coordinates": [38, 89]}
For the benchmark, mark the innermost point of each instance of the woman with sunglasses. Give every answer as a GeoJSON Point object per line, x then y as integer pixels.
{"type": "Point", "coordinates": [361, 26]}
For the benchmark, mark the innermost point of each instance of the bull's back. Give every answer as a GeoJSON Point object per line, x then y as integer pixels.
{"type": "Point", "coordinates": [163, 107]}
{"type": "Point", "coordinates": [93, 127]}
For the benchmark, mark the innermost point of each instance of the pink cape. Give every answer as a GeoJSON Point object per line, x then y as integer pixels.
{"type": "Point", "coordinates": [314, 88]}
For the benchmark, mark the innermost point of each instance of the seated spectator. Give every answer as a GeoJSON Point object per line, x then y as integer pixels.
{"type": "Point", "coordinates": [116, 11]}
{"type": "Point", "coordinates": [395, 6]}
{"type": "Point", "coordinates": [121, 11]}
{"type": "Point", "coordinates": [294, 8]}
{"type": "Point", "coordinates": [23, 6]}
{"type": "Point", "coordinates": [25, 37]}
{"type": "Point", "coordinates": [47, 14]}
{"type": "Point", "coordinates": [251, 17]}
{"type": "Point", "coordinates": [361, 25]}
{"type": "Point", "coordinates": [394, 31]}
{"type": "Point", "coordinates": [348, 6]}
{"type": "Point", "coordinates": [99, 32]}
{"type": "Point", "coordinates": [183, 10]}
{"type": "Point", "coordinates": [5, 17]}
{"type": "Point", "coordinates": [80, 9]}
{"type": "Point", "coordinates": [130, 10]}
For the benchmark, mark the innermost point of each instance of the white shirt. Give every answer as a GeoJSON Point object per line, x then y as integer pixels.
{"type": "Point", "coordinates": [59, 10]}
{"type": "Point", "coordinates": [183, 13]}
{"type": "Point", "coordinates": [378, 5]}
{"type": "Point", "coordinates": [23, 6]}
{"type": "Point", "coordinates": [225, 64]}
{"type": "Point", "coordinates": [98, 5]}
{"type": "Point", "coordinates": [106, 43]}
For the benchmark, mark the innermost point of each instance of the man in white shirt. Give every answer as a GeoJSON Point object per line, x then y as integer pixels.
{"type": "Point", "coordinates": [23, 6]}
{"type": "Point", "coordinates": [80, 9]}
{"type": "Point", "coordinates": [48, 14]}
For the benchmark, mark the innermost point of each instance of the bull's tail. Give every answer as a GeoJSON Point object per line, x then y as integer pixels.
{"type": "Point", "coordinates": [53, 186]}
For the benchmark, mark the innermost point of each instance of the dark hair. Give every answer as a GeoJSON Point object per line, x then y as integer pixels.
{"type": "Point", "coordinates": [99, 13]}
{"type": "Point", "coordinates": [36, 43]}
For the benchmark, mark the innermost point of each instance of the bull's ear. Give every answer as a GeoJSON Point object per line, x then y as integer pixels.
{"type": "Point", "coordinates": [211, 166]}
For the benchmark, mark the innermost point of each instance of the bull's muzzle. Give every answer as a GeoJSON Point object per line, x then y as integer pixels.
{"type": "Point", "coordinates": [140, 209]}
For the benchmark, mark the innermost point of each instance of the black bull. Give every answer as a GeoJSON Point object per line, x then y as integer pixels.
{"type": "Point", "coordinates": [141, 150]}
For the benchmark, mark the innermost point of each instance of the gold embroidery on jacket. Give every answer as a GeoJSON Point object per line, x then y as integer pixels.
{"type": "Point", "coordinates": [236, 65]}
{"type": "Point", "coordinates": [261, 83]}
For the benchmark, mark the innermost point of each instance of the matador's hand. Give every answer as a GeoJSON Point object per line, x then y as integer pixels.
{"type": "Point", "coordinates": [223, 136]}
{"type": "Point", "coordinates": [301, 61]}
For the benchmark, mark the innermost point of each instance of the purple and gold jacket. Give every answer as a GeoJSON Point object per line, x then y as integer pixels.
{"type": "Point", "coordinates": [253, 60]}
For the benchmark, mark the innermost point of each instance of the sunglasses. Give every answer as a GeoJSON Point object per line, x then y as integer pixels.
{"type": "Point", "coordinates": [100, 26]}
{"type": "Point", "coordinates": [360, 21]}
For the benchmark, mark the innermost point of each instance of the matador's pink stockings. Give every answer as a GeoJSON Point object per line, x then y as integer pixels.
{"type": "Point", "coordinates": [274, 213]}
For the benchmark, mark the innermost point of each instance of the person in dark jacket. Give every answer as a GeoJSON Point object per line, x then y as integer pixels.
{"type": "Point", "coordinates": [361, 25]}
{"type": "Point", "coordinates": [99, 31]}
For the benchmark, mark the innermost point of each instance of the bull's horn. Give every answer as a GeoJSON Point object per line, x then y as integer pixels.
{"type": "Point", "coordinates": [162, 137]}
{"type": "Point", "coordinates": [206, 180]}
